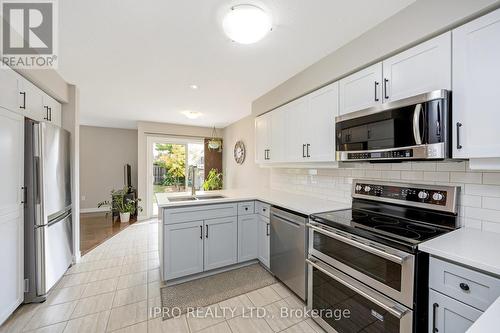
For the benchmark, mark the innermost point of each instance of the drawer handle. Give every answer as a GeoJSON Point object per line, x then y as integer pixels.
{"type": "Point", "coordinates": [464, 286]}
{"type": "Point", "coordinates": [434, 308]}
{"type": "Point", "coordinates": [263, 209]}
{"type": "Point", "coordinates": [246, 208]}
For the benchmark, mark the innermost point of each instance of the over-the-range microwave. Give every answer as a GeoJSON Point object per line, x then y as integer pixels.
{"type": "Point", "coordinates": [414, 128]}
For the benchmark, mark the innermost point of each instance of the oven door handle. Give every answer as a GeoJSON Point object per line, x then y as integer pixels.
{"type": "Point", "coordinates": [416, 124]}
{"type": "Point", "coordinates": [361, 290]}
{"type": "Point", "coordinates": [367, 248]}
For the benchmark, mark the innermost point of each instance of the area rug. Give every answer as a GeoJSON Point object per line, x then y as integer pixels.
{"type": "Point", "coordinates": [214, 289]}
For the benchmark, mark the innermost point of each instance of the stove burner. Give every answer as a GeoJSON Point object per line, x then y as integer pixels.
{"type": "Point", "coordinates": [385, 220]}
{"type": "Point", "coordinates": [358, 215]}
{"type": "Point", "coordinates": [402, 232]}
{"type": "Point", "coordinates": [421, 228]}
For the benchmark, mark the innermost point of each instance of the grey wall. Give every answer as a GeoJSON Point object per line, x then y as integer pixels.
{"type": "Point", "coordinates": [103, 153]}
{"type": "Point", "coordinates": [421, 20]}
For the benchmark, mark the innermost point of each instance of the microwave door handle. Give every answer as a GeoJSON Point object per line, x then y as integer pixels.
{"type": "Point", "coordinates": [391, 308]}
{"type": "Point", "coordinates": [391, 257]}
{"type": "Point", "coordinates": [416, 124]}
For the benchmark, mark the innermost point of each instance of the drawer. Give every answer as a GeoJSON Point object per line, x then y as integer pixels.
{"type": "Point", "coordinates": [202, 212]}
{"type": "Point", "coordinates": [466, 285]}
{"type": "Point", "coordinates": [263, 209]}
{"type": "Point", "coordinates": [247, 207]}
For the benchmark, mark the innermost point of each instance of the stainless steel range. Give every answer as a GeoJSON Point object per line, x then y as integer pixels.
{"type": "Point", "coordinates": [366, 259]}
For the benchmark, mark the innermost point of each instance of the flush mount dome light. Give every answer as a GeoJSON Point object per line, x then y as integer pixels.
{"type": "Point", "coordinates": [246, 24]}
{"type": "Point", "coordinates": [191, 114]}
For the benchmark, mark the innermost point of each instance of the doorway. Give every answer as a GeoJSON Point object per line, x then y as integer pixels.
{"type": "Point", "coordinates": [168, 165]}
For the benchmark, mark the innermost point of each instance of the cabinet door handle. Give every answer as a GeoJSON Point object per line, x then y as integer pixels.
{"type": "Point", "coordinates": [376, 88]}
{"type": "Point", "coordinates": [303, 151]}
{"type": "Point", "coordinates": [206, 234]}
{"type": "Point", "coordinates": [459, 146]}
{"type": "Point", "coordinates": [201, 232]}
{"type": "Point", "coordinates": [308, 146]}
{"type": "Point", "coordinates": [434, 308]}
{"type": "Point", "coordinates": [268, 230]}
{"type": "Point", "coordinates": [24, 100]}
{"type": "Point", "coordinates": [50, 114]}
{"type": "Point", "coordinates": [269, 154]}
{"type": "Point", "coordinates": [464, 286]}
{"type": "Point", "coordinates": [46, 113]}
{"type": "Point", "coordinates": [25, 195]}
{"type": "Point", "coordinates": [385, 89]}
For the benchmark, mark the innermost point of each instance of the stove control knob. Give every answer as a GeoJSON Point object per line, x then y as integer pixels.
{"type": "Point", "coordinates": [367, 189]}
{"type": "Point", "coordinates": [423, 195]}
{"type": "Point", "coordinates": [359, 188]}
{"type": "Point", "coordinates": [437, 196]}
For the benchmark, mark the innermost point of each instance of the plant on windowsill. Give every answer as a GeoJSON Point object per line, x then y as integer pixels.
{"type": "Point", "coordinates": [121, 204]}
{"type": "Point", "coordinates": [213, 181]}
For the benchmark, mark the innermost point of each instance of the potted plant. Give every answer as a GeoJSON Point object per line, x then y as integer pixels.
{"type": "Point", "coordinates": [121, 204]}
{"type": "Point", "coordinates": [213, 181]}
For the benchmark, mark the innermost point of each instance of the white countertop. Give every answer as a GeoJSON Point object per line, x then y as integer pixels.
{"type": "Point", "coordinates": [302, 204]}
{"type": "Point", "coordinates": [471, 247]}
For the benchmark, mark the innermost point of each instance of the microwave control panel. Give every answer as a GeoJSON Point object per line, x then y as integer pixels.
{"type": "Point", "coordinates": [406, 153]}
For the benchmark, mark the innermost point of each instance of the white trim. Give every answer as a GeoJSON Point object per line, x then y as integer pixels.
{"type": "Point", "coordinates": [95, 210]}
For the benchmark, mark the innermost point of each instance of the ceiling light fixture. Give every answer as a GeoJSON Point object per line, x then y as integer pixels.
{"type": "Point", "coordinates": [246, 24]}
{"type": "Point", "coordinates": [191, 114]}
{"type": "Point", "coordinates": [193, 86]}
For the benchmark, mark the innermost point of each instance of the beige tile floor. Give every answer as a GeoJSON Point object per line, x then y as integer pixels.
{"type": "Point", "coordinates": [115, 285]}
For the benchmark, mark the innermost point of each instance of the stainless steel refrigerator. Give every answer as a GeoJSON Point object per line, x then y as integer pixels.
{"type": "Point", "coordinates": [47, 217]}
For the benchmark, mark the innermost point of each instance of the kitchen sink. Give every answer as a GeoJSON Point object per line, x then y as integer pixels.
{"type": "Point", "coordinates": [195, 198]}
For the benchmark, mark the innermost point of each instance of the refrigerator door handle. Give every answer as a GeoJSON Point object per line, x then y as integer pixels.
{"type": "Point", "coordinates": [61, 217]}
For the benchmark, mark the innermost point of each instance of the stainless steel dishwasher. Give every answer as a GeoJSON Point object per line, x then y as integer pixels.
{"type": "Point", "coordinates": [288, 249]}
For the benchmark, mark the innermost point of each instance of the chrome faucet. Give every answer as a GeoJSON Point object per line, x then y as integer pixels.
{"type": "Point", "coordinates": [192, 176]}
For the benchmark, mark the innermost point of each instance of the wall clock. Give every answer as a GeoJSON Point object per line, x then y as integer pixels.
{"type": "Point", "coordinates": [239, 152]}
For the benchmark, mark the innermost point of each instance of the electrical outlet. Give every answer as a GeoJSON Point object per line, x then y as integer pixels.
{"type": "Point", "coordinates": [83, 198]}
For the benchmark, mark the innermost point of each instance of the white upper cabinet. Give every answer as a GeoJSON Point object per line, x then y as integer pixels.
{"type": "Point", "coordinates": [361, 90]}
{"type": "Point", "coordinates": [296, 115]}
{"type": "Point", "coordinates": [320, 124]}
{"type": "Point", "coordinates": [277, 134]}
{"type": "Point", "coordinates": [421, 69]}
{"type": "Point", "coordinates": [262, 137]}
{"type": "Point", "coordinates": [9, 92]}
{"type": "Point", "coordinates": [31, 100]}
{"type": "Point", "coordinates": [476, 70]}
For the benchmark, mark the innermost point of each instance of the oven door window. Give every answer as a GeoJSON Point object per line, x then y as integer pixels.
{"type": "Point", "coordinates": [380, 269]}
{"type": "Point", "coordinates": [330, 296]}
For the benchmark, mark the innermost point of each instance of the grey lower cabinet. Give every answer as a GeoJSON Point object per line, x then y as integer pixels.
{"type": "Point", "coordinates": [183, 249]}
{"type": "Point", "coordinates": [248, 237]}
{"type": "Point", "coordinates": [221, 241]}
{"type": "Point", "coordinates": [264, 233]}
{"type": "Point", "coordinates": [447, 315]}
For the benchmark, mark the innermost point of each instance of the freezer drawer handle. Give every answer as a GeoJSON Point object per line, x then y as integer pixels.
{"type": "Point", "coordinates": [367, 248]}
{"type": "Point", "coordinates": [391, 309]}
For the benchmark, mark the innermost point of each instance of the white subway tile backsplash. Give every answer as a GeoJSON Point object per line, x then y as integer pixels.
{"type": "Point", "coordinates": [466, 177]}
{"type": "Point", "coordinates": [491, 178]}
{"type": "Point", "coordinates": [479, 198]}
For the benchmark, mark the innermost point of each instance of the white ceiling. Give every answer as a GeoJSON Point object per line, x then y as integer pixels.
{"type": "Point", "coordinates": [135, 59]}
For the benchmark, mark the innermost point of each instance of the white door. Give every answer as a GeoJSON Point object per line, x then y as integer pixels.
{"type": "Point", "coordinates": [296, 118]}
{"type": "Point", "coordinates": [361, 90]}
{"type": "Point", "coordinates": [476, 70]}
{"type": "Point", "coordinates": [262, 128]}
{"type": "Point", "coordinates": [264, 240]}
{"type": "Point", "coordinates": [11, 212]}
{"type": "Point", "coordinates": [183, 248]}
{"type": "Point", "coordinates": [31, 100]}
{"type": "Point", "coordinates": [9, 93]}
{"type": "Point", "coordinates": [221, 242]}
{"type": "Point", "coordinates": [447, 315]}
{"type": "Point", "coordinates": [421, 69]}
{"type": "Point", "coordinates": [319, 125]}
{"type": "Point", "coordinates": [248, 229]}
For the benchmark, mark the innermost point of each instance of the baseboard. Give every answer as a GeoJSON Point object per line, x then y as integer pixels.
{"type": "Point", "coordinates": [94, 210]}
